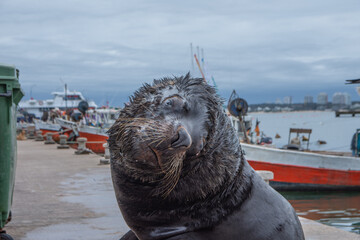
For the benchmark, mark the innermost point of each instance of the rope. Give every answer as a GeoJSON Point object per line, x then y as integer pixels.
{"type": "Point", "coordinates": [329, 149]}
{"type": "Point", "coordinates": [60, 132]}
{"type": "Point", "coordinates": [90, 142]}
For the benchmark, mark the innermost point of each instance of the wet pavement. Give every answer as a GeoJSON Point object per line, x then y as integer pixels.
{"type": "Point", "coordinates": [62, 196]}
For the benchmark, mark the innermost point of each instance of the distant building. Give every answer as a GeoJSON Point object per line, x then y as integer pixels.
{"type": "Point", "coordinates": [308, 99]}
{"type": "Point", "coordinates": [341, 99]}
{"type": "Point", "coordinates": [322, 98]}
{"type": "Point", "coordinates": [288, 100]}
{"type": "Point", "coordinates": [278, 101]}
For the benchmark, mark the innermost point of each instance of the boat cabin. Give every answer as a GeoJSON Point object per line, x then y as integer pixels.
{"type": "Point", "coordinates": [295, 143]}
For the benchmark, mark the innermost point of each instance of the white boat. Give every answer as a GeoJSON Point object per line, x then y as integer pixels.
{"type": "Point", "coordinates": [297, 169]}
{"type": "Point", "coordinates": [61, 100]}
{"type": "Point", "coordinates": [305, 170]}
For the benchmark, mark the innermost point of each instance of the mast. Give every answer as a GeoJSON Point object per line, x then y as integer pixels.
{"type": "Point", "coordinates": [192, 59]}
{"type": "Point", "coordinates": [198, 51]}
{"type": "Point", "coordinates": [197, 61]}
{"type": "Point", "coordinates": [65, 97]}
{"type": "Point", "coordinates": [202, 59]}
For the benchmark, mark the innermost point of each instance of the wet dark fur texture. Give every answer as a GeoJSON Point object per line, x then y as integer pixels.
{"type": "Point", "coordinates": [214, 194]}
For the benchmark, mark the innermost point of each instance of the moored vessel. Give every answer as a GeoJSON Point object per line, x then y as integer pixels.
{"type": "Point", "coordinates": [305, 170]}
{"type": "Point", "coordinates": [62, 100]}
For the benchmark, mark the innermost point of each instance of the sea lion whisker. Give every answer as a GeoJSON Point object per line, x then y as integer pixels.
{"type": "Point", "coordinates": [160, 142]}
{"type": "Point", "coordinates": [171, 184]}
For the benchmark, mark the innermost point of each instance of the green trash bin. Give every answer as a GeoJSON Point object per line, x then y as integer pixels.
{"type": "Point", "coordinates": [10, 96]}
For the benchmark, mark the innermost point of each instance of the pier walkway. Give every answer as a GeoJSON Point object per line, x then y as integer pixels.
{"type": "Point", "coordinates": [347, 112]}
{"type": "Point", "coordinates": [62, 196]}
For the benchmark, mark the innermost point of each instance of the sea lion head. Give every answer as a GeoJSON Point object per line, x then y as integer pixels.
{"type": "Point", "coordinates": [169, 131]}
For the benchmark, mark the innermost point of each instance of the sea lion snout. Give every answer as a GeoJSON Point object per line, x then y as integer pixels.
{"type": "Point", "coordinates": [181, 139]}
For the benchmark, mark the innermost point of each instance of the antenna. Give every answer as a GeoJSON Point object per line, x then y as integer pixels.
{"type": "Point", "coordinates": [202, 58]}
{"type": "Point", "coordinates": [198, 51]}
{"type": "Point", "coordinates": [65, 97]}
{"type": "Point", "coordinates": [213, 79]}
{"type": "Point", "coordinates": [31, 87]}
{"type": "Point", "coordinates": [192, 59]}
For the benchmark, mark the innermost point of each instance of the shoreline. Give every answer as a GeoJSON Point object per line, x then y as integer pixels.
{"type": "Point", "coordinates": [300, 111]}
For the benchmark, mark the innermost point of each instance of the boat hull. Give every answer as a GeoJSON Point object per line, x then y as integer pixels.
{"type": "Point", "coordinates": [289, 177]}
{"type": "Point", "coordinates": [46, 127]}
{"type": "Point", "coordinates": [94, 141]}
{"type": "Point", "coordinates": [95, 136]}
{"type": "Point", "coordinates": [296, 170]}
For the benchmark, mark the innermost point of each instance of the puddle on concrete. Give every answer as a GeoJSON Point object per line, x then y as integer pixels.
{"type": "Point", "coordinates": [94, 191]}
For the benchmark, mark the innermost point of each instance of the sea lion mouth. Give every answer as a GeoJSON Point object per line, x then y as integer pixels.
{"type": "Point", "coordinates": [157, 158]}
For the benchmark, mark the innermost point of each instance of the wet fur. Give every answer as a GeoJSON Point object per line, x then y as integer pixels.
{"type": "Point", "coordinates": [203, 197]}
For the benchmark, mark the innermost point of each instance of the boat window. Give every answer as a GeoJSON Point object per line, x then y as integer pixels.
{"type": "Point", "coordinates": [72, 97]}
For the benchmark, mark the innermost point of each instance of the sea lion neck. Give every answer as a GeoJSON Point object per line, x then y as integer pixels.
{"type": "Point", "coordinates": [152, 218]}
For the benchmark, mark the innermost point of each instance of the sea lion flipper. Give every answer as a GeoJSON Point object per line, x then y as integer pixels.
{"type": "Point", "coordinates": [130, 235]}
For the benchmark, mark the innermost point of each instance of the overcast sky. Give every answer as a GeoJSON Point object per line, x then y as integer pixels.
{"type": "Point", "coordinates": [263, 49]}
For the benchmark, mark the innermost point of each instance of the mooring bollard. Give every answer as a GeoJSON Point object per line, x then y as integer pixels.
{"type": "Point", "coordinates": [30, 132]}
{"type": "Point", "coordinates": [39, 136]}
{"type": "Point", "coordinates": [106, 158]}
{"type": "Point", "coordinates": [266, 175]}
{"type": "Point", "coordinates": [81, 143]}
{"type": "Point", "coordinates": [82, 146]}
{"type": "Point", "coordinates": [63, 142]}
{"type": "Point", "coordinates": [48, 138]}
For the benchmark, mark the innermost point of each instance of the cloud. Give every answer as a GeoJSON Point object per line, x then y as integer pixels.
{"type": "Point", "coordinates": [110, 48]}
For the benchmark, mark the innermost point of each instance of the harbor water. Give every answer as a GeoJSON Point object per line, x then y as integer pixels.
{"type": "Point", "coordinates": [335, 131]}
{"type": "Point", "coordinates": [338, 209]}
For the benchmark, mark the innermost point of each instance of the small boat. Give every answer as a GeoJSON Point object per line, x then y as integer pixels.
{"type": "Point", "coordinates": [296, 169]}
{"type": "Point", "coordinates": [46, 127]}
{"type": "Point", "coordinates": [93, 127]}
{"type": "Point", "coordinates": [321, 142]}
{"type": "Point", "coordinates": [96, 137]}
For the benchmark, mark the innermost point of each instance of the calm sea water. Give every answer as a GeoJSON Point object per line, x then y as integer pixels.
{"type": "Point", "coordinates": [338, 209]}
{"type": "Point", "coordinates": [337, 132]}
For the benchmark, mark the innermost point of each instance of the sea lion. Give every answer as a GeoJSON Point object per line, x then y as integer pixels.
{"type": "Point", "coordinates": [179, 172]}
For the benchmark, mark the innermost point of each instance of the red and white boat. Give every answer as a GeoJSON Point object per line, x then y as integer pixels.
{"type": "Point", "coordinates": [46, 127]}
{"type": "Point", "coordinates": [49, 127]}
{"type": "Point", "coordinates": [301, 170]}
{"type": "Point", "coordinates": [96, 135]}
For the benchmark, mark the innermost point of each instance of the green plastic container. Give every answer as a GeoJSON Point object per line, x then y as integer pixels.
{"type": "Point", "coordinates": [10, 96]}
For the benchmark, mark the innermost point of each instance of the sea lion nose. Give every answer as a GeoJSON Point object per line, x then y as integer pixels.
{"type": "Point", "coordinates": [181, 139]}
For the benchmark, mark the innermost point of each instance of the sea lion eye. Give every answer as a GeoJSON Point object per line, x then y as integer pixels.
{"type": "Point", "coordinates": [174, 102]}
{"type": "Point", "coordinates": [169, 102]}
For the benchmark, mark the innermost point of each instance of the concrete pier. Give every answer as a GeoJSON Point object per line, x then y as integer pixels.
{"type": "Point", "coordinates": [60, 196]}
